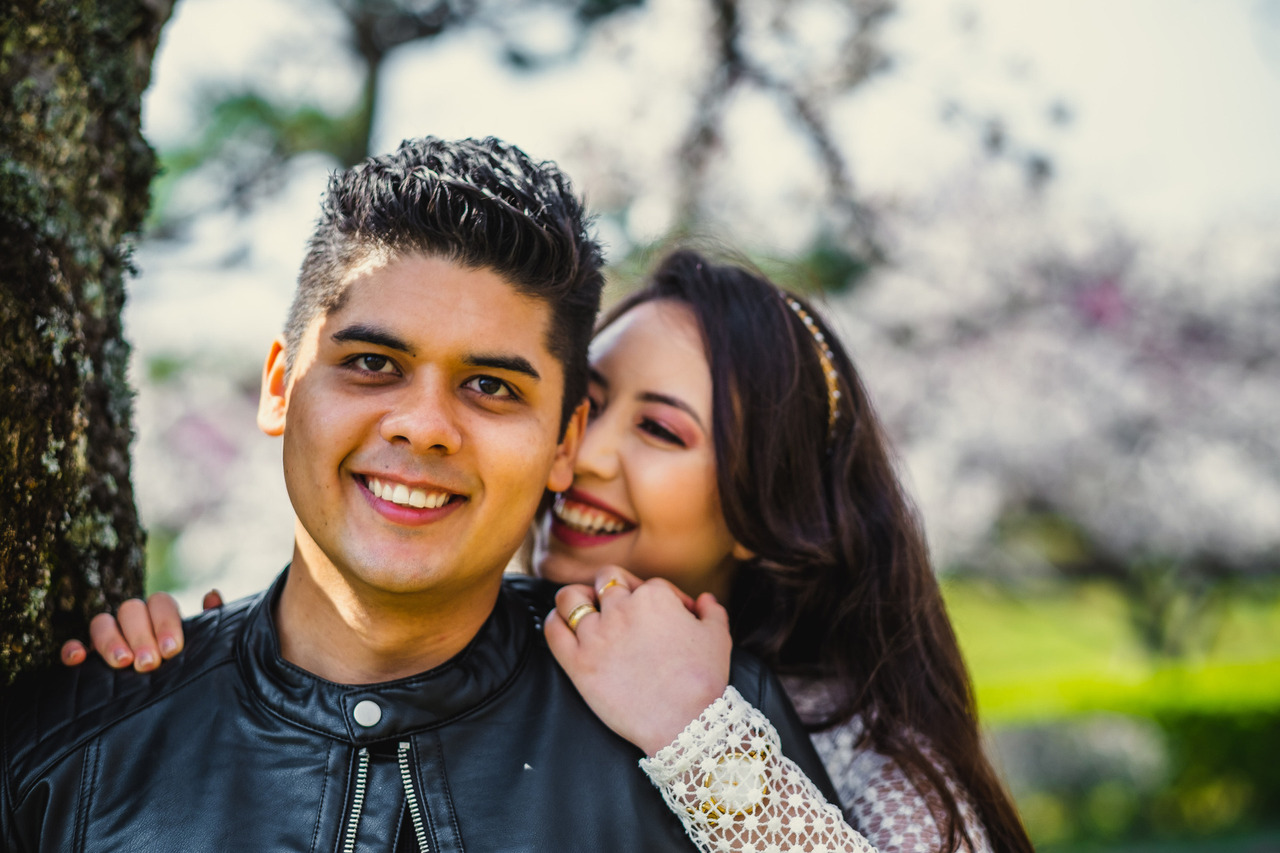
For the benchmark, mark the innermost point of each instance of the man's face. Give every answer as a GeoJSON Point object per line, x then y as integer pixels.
{"type": "Point", "coordinates": [420, 425]}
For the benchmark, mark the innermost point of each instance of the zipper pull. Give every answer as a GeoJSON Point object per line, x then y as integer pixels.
{"type": "Point", "coordinates": [411, 795]}
{"type": "Point", "coordinates": [357, 801]}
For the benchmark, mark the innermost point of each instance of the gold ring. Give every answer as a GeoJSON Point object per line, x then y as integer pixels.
{"type": "Point", "coordinates": [576, 615]}
{"type": "Point", "coordinates": [612, 582]}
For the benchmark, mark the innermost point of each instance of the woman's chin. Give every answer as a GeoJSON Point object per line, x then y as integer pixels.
{"type": "Point", "coordinates": [562, 568]}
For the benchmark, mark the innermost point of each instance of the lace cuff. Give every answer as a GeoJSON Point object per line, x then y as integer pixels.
{"type": "Point", "coordinates": [726, 778]}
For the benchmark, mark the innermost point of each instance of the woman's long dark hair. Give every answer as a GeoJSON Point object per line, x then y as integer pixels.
{"type": "Point", "coordinates": [841, 588]}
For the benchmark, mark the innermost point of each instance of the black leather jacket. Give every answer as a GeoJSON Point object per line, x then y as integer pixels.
{"type": "Point", "coordinates": [229, 747]}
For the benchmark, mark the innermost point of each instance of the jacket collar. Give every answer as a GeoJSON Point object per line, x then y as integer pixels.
{"type": "Point", "coordinates": [405, 706]}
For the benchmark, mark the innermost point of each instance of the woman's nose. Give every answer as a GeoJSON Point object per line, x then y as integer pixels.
{"type": "Point", "coordinates": [598, 454]}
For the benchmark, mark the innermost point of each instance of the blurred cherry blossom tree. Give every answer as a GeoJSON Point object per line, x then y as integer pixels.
{"type": "Point", "coordinates": [1074, 402]}
{"type": "Point", "coordinates": [1072, 398]}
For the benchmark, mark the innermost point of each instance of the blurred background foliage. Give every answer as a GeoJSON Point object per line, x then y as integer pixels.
{"type": "Point", "coordinates": [1086, 407]}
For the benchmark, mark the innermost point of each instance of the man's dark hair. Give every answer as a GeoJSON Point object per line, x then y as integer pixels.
{"type": "Point", "coordinates": [482, 204]}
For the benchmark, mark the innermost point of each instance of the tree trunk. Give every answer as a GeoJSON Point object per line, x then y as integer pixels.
{"type": "Point", "coordinates": [74, 177]}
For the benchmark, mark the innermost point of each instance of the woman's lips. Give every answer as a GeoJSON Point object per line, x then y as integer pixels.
{"type": "Point", "coordinates": [580, 520]}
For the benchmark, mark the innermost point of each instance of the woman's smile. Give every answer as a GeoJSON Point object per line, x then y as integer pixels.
{"type": "Point", "coordinates": [580, 520]}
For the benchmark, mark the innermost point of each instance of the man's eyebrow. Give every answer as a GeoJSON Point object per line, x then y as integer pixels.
{"type": "Point", "coordinates": [668, 400]}
{"type": "Point", "coordinates": [597, 377]}
{"type": "Point", "coordinates": [499, 361]}
{"type": "Point", "coordinates": [360, 333]}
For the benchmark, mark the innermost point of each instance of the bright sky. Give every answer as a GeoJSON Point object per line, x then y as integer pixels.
{"type": "Point", "coordinates": [1176, 103]}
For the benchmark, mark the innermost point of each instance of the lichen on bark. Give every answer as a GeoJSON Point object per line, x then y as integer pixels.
{"type": "Point", "coordinates": [74, 184]}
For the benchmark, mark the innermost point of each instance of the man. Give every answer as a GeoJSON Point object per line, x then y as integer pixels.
{"type": "Point", "coordinates": [389, 692]}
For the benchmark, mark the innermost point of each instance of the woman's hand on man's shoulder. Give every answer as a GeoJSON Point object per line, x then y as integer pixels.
{"type": "Point", "coordinates": [646, 657]}
{"type": "Point", "coordinates": [141, 634]}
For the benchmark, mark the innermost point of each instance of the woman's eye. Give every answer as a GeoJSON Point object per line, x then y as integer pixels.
{"type": "Point", "coordinates": [490, 386]}
{"type": "Point", "coordinates": [660, 432]}
{"type": "Point", "coordinates": [593, 408]}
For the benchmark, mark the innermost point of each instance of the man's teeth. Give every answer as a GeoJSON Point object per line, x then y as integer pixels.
{"type": "Point", "coordinates": [399, 493]}
{"type": "Point", "coordinates": [587, 520]}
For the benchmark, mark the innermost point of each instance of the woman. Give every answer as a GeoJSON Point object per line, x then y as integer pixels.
{"type": "Point", "coordinates": [733, 451]}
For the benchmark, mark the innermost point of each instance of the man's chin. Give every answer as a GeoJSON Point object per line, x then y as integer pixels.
{"type": "Point", "coordinates": [397, 574]}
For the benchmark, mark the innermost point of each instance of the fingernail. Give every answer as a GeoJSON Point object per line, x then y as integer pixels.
{"type": "Point", "coordinates": [120, 655]}
{"type": "Point", "coordinates": [146, 658]}
{"type": "Point", "coordinates": [168, 645]}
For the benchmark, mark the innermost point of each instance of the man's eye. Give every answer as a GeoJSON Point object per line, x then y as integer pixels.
{"type": "Point", "coordinates": [490, 386]}
{"type": "Point", "coordinates": [374, 363]}
{"type": "Point", "coordinates": [593, 408]}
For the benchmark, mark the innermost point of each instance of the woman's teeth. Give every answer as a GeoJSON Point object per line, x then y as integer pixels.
{"type": "Point", "coordinates": [587, 520]}
{"type": "Point", "coordinates": [399, 493]}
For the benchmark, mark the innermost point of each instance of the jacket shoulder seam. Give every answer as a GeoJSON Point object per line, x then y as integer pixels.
{"type": "Point", "coordinates": [38, 770]}
{"type": "Point", "coordinates": [324, 788]}
{"type": "Point", "coordinates": [84, 803]}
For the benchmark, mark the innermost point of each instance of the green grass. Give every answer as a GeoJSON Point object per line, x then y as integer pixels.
{"type": "Point", "coordinates": [1071, 650]}
{"type": "Point", "coordinates": [1263, 842]}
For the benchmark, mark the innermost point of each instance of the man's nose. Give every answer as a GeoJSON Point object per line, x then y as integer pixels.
{"type": "Point", "coordinates": [598, 453]}
{"type": "Point", "coordinates": [425, 417]}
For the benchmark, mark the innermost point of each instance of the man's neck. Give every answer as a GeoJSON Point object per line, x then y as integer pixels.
{"type": "Point", "coordinates": [349, 636]}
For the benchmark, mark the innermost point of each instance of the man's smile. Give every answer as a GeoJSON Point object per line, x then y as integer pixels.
{"type": "Point", "coordinates": [403, 503]}
{"type": "Point", "coordinates": [403, 495]}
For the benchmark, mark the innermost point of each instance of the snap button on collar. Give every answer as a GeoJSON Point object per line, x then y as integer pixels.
{"type": "Point", "coordinates": [367, 713]}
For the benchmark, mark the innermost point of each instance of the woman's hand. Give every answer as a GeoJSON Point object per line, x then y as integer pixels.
{"type": "Point", "coordinates": [141, 633]}
{"type": "Point", "coordinates": [650, 661]}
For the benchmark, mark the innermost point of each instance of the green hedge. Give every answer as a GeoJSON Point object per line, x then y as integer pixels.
{"type": "Point", "coordinates": [1054, 660]}
{"type": "Point", "coordinates": [1222, 780]}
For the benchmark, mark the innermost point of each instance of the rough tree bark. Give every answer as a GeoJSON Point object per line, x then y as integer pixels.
{"type": "Point", "coordinates": [74, 177]}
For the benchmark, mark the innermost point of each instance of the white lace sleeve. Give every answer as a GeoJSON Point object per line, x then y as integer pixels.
{"type": "Point", "coordinates": [880, 799]}
{"type": "Point", "coordinates": [734, 790]}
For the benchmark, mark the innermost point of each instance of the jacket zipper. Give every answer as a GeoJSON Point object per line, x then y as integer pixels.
{"type": "Point", "coordinates": [411, 795]}
{"type": "Point", "coordinates": [357, 801]}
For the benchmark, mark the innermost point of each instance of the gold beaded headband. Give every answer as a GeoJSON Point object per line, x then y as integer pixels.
{"type": "Point", "coordinates": [828, 361]}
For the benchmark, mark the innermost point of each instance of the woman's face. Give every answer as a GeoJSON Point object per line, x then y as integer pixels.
{"type": "Point", "coordinates": [644, 493]}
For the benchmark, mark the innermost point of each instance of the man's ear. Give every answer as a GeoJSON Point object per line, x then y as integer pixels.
{"type": "Point", "coordinates": [561, 476]}
{"type": "Point", "coordinates": [272, 398]}
{"type": "Point", "coordinates": [742, 553]}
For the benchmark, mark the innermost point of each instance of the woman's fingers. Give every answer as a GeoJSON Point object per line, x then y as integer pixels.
{"type": "Point", "coordinates": [611, 589]}
{"type": "Point", "coordinates": [560, 639]}
{"type": "Point", "coordinates": [142, 633]}
{"type": "Point", "coordinates": [615, 578]}
{"type": "Point", "coordinates": [662, 583]}
{"type": "Point", "coordinates": [135, 623]}
{"type": "Point", "coordinates": [711, 611]}
{"type": "Point", "coordinates": [212, 599]}
{"type": "Point", "coordinates": [104, 633]}
{"type": "Point", "coordinates": [166, 622]}
{"type": "Point", "coordinates": [576, 604]}
{"type": "Point", "coordinates": [73, 653]}
{"type": "Point", "coordinates": [649, 661]}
